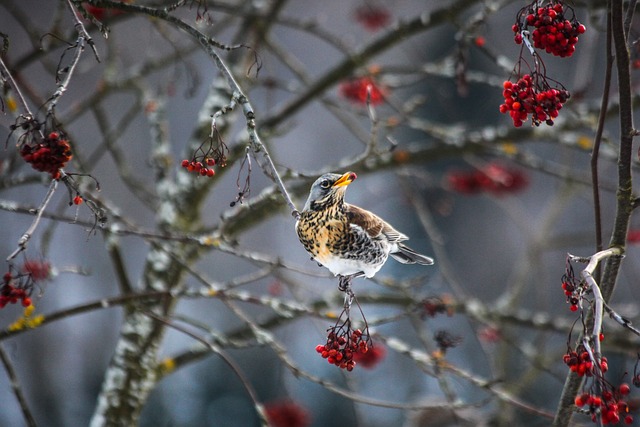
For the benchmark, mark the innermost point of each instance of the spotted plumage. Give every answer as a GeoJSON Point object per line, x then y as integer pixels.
{"type": "Point", "coordinates": [348, 240]}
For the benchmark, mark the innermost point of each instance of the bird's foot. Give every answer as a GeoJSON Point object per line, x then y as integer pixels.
{"type": "Point", "coordinates": [344, 283]}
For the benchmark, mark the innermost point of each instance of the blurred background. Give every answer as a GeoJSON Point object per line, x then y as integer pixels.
{"type": "Point", "coordinates": [498, 208]}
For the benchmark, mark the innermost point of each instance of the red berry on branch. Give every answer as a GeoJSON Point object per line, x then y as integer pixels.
{"type": "Point", "coordinates": [549, 28]}
{"type": "Point", "coordinates": [361, 89]}
{"type": "Point", "coordinates": [624, 389]}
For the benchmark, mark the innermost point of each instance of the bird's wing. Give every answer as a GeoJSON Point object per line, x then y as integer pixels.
{"type": "Point", "coordinates": [374, 226]}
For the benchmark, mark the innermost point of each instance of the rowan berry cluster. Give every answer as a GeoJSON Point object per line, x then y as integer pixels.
{"type": "Point", "coordinates": [47, 155]}
{"type": "Point", "coordinates": [372, 357]}
{"type": "Point", "coordinates": [446, 340]}
{"type": "Point", "coordinates": [15, 288]}
{"type": "Point", "coordinates": [573, 289]}
{"type": "Point", "coordinates": [532, 95]}
{"type": "Point", "coordinates": [361, 89]}
{"type": "Point", "coordinates": [435, 305]}
{"type": "Point", "coordinates": [556, 31]}
{"type": "Point", "coordinates": [201, 168]}
{"type": "Point", "coordinates": [286, 413]}
{"type": "Point", "coordinates": [610, 403]}
{"type": "Point", "coordinates": [342, 345]}
{"type": "Point", "coordinates": [372, 17]}
{"type": "Point", "coordinates": [493, 178]}
{"type": "Point", "coordinates": [553, 32]}
{"type": "Point", "coordinates": [38, 270]}
{"type": "Point", "coordinates": [580, 362]}
{"type": "Point", "coordinates": [211, 153]}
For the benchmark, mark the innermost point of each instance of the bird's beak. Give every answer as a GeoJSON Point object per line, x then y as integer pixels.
{"type": "Point", "coordinates": [345, 180]}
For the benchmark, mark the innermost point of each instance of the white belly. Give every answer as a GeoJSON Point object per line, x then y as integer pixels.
{"type": "Point", "coordinates": [346, 267]}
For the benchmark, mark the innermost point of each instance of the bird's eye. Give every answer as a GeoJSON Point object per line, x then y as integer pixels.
{"type": "Point", "coordinates": [325, 183]}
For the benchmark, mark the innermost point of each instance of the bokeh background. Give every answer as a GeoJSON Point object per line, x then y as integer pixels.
{"type": "Point", "coordinates": [500, 251]}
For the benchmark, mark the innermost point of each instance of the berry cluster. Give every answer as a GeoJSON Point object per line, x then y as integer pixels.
{"type": "Point", "coordinates": [211, 153]}
{"type": "Point", "coordinates": [532, 95]}
{"type": "Point", "coordinates": [493, 178]}
{"type": "Point", "coordinates": [610, 404]}
{"type": "Point", "coordinates": [572, 293]}
{"type": "Point", "coordinates": [360, 89]}
{"type": "Point", "coordinates": [342, 345]}
{"type": "Point", "coordinates": [553, 32]}
{"type": "Point", "coordinates": [372, 357]}
{"type": "Point", "coordinates": [372, 17]}
{"type": "Point", "coordinates": [435, 305]}
{"type": "Point", "coordinates": [633, 236]}
{"type": "Point", "coordinates": [286, 413]}
{"type": "Point", "coordinates": [38, 270]}
{"type": "Point", "coordinates": [201, 168]}
{"type": "Point", "coordinates": [489, 334]}
{"type": "Point", "coordinates": [573, 288]}
{"type": "Point", "coordinates": [580, 362]}
{"type": "Point", "coordinates": [48, 155]}
{"type": "Point", "coordinates": [14, 289]}
{"type": "Point", "coordinates": [446, 340]}
{"type": "Point", "coordinates": [101, 13]}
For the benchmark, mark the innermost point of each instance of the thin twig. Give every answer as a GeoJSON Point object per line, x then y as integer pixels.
{"type": "Point", "coordinates": [22, 243]}
{"type": "Point", "coordinates": [595, 153]}
{"type": "Point", "coordinates": [4, 71]}
{"type": "Point", "coordinates": [17, 390]}
{"type": "Point", "coordinates": [83, 37]}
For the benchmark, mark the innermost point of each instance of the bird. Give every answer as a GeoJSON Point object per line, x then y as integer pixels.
{"type": "Point", "coordinates": [346, 239]}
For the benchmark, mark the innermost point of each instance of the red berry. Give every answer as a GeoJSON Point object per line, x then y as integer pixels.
{"type": "Point", "coordinates": [624, 389]}
{"type": "Point", "coordinates": [26, 302]}
{"type": "Point", "coordinates": [185, 163]}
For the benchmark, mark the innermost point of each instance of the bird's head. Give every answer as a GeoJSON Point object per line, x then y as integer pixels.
{"type": "Point", "coordinates": [328, 190]}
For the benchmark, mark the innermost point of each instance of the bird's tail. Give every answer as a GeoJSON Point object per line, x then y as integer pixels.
{"type": "Point", "coordinates": [406, 255]}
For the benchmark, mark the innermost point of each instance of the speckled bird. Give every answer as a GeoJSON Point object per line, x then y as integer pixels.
{"type": "Point", "coordinates": [346, 239]}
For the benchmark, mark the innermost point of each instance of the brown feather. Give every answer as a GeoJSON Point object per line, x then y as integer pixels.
{"type": "Point", "coordinates": [372, 223]}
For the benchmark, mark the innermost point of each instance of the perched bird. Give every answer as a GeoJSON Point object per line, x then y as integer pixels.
{"type": "Point", "coordinates": [348, 240]}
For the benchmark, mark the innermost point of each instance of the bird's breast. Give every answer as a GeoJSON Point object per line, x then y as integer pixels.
{"type": "Point", "coordinates": [321, 235]}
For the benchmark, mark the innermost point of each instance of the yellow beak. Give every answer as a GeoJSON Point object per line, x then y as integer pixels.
{"type": "Point", "coordinates": [345, 180]}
